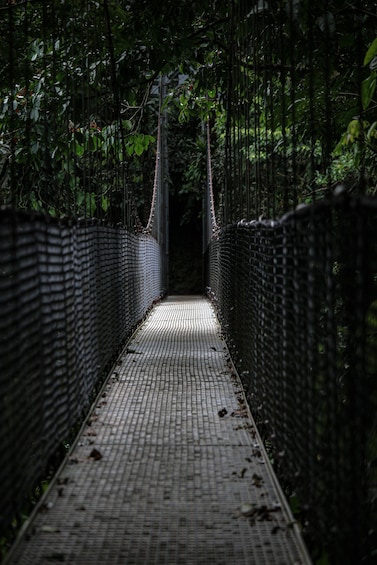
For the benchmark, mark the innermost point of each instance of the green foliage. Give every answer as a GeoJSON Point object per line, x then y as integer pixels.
{"type": "Point", "coordinates": [371, 54]}
{"type": "Point", "coordinates": [303, 103]}
{"type": "Point", "coordinates": [69, 124]}
{"type": "Point", "coordinates": [358, 144]}
{"type": "Point", "coordinates": [83, 62]}
{"type": "Point", "coordinates": [79, 63]}
{"type": "Point", "coordinates": [138, 143]}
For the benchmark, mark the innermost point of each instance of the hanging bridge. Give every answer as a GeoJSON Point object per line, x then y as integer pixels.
{"type": "Point", "coordinates": [140, 426]}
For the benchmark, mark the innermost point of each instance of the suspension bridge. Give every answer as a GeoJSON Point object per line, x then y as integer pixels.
{"type": "Point", "coordinates": [143, 427]}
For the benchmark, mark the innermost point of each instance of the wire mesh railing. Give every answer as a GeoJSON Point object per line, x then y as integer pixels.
{"type": "Point", "coordinates": [297, 295]}
{"type": "Point", "coordinates": [297, 300]}
{"type": "Point", "coordinates": [77, 269]}
{"type": "Point", "coordinates": [70, 294]}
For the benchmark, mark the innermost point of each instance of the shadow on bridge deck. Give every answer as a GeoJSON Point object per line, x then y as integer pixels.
{"type": "Point", "coordinates": [168, 468]}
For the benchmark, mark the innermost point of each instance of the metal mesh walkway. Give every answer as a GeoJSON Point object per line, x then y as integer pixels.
{"type": "Point", "coordinates": [169, 468]}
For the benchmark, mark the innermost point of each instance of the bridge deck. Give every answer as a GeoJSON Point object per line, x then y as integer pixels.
{"type": "Point", "coordinates": [169, 468]}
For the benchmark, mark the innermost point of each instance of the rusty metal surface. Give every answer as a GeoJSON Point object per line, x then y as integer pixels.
{"type": "Point", "coordinates": [169, 468]}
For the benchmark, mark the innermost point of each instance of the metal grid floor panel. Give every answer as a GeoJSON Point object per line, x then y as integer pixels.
{"type": "Point", "coordinates": [169, 468]}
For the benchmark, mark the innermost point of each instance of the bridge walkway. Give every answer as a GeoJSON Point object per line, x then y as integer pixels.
{"type": "Point", "coordinates": [169, 467]}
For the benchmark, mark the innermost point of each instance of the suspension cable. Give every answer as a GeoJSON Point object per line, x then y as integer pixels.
{"type": "Point", "coordinates": [152, 213]}
{"type": "Point", "coordinates": [211, 203]}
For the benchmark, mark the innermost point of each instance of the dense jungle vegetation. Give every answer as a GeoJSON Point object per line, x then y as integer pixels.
{"type": "Point", "coordinates": [79, 101]}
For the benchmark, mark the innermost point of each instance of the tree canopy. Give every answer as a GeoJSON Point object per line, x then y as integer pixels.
{"type": "Point", "coordinates": [289, 88]}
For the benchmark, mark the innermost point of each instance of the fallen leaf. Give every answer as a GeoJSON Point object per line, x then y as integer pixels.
{"type": "Point", "coordinates": [242, 413]}
{"type": "Point", "coordinates": [95, 454]}
{"type": "Point", "coordinates": [49, 529]}
{"type": "Point", "coordinates": [276, 506]}
{"type": "Point", "coordinates": [263, 513]}
{"type": "Point", "coordinates": [257, 480]}
{"type": "Point", "coordinates": [247, 509]}
{"type": "Point", "coordinates": [223, 412]}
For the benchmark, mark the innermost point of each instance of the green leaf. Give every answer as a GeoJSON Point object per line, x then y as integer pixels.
{"type": "Point", "coordinates": [127, 124]}
{"type": "Point", "coordinates": [139, 147]}
{"type": "Point", "coordinates": [130, 148]}
{"type": "Point", "coordinates": [105, 203]}
{"type": "Point", "coordinates": [35, 147]}
{"type": "Point", "coordinates": [357, 154]}
{"type": "Point", "coordinates": [372, 132]}
{"type": "Point", "coordinates": [34, 114]}
{"type": "Point", "coordinates": [368, 87]}
{"type": "Point", "coordinates": [353, 128]}
{"type": "Point", "coordinates": [79, 149]}
{"type": "Point", "coordinates": [371, 317]}
{"type": "Point", "coordinates": [93, 143]}
{"type": "Point", "coordinates": [80, 196]}
{"type": "Point", "coordinates": [371, 53]}
{"type": "Point", "coordinates": [90, 202]}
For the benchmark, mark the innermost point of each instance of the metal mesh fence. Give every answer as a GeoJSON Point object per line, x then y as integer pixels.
{"type": "Point", "coordinates": [70, 293]}
{"type": "Point", "coordinates": [298, 303]}
{"type": "Point", "coordinates": [71, 289]}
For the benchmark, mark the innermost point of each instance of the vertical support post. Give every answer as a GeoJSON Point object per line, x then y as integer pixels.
{"type": "Point", "coordinates": [205, 218]}
{"type": "Point", "coordinates": [163, 212]}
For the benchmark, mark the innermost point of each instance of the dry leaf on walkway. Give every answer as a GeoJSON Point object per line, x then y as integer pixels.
{"type": "Point", "coordinates": [247, 509]}
{"type": "Point", "coordinates": [95, 454]}
{"type": "Point", "coordinates": [257, 480]}
{"type": "Point", "coordinates": [49, 529]}
{"type": "Point", "coordinates": [242, 413]}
